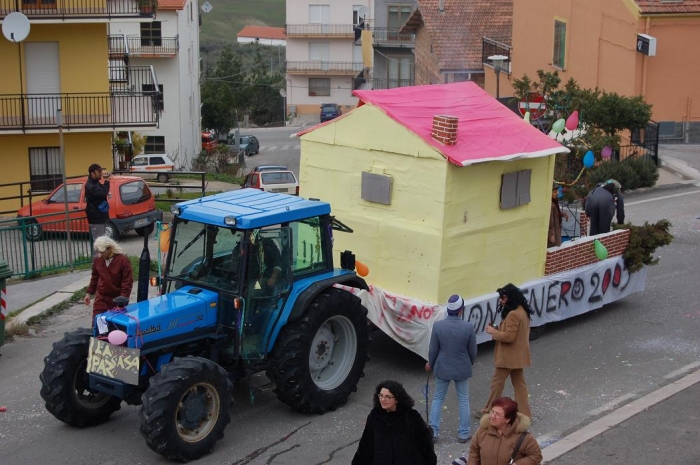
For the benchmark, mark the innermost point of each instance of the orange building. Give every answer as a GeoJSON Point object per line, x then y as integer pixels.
{"type": "Point", "coordinates": [632, 47]}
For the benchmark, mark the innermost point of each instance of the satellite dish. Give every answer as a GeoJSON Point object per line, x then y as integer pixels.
{"type": "Point", "coordinates": [15, 27]}
{"type": "Point", "coordinates": [363, 13]}
{"type": "Point", "coordinates": [283, 93]}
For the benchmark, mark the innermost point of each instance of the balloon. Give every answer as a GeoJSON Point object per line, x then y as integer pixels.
{"type": "Point", "coordinates": [558, 126]}
{"type": "Point", "coordinates": [600, 251]}
{"type": "Point", "coordinates": [361, 268]}
{"type": "Point", "coordinates": [572, 121]}
{"type": "Point", "coordinates": [117, 337]}
{"type": "Point", "coordinates": [164, 239]}
{"type": "Point", "coordinates": [589, 159]}
{"type": "Point", "coordinates": [527, 117]}
{"type": "Point", "coordinates": [606, 152]}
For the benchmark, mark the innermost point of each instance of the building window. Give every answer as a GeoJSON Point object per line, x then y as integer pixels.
{"type": "Point", "coordinates": [44, 168]}
{"type": "Point", "coordinates": [154, 144]}
{"type": "Point", "coordinates": [319, 14]}
{"type": "Point", "coordinates": [151, 34]}
{"type": "Point", "coordinates": [399, 71]}
{"type": "Point", "coordinates": [515, 189]}
{"type": "Point", "coordinates": [397, 16]}
{"type": "Point", "coordinates": [158, 98]}
{"type": "Point", "coordinates": [319, 51]}
{"type": "Point", "coordinates": [559, 44]}
{"type": "Point", "coordinates": [319, 87]}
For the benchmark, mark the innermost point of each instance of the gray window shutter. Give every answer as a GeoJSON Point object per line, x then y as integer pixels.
{"type": "Point", "coordinates": [376, 188]}
{"type": "Point", "coordinates": [524, 187]}
{"type": "Point", "coordinates": [509, 186]}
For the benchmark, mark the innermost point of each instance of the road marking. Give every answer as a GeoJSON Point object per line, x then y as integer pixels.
{"type": "Point", "coordinates": [682, 370]}
{"type": "Point", "coordinates": [286, 147]}
{"type": "Point", "coordinates": [661, 198]}
{"type": "Point", "coordinates": [599, 426]}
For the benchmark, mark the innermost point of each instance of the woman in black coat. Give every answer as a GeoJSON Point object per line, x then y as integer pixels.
{"type": "Point", "coordinates": [395, 433]}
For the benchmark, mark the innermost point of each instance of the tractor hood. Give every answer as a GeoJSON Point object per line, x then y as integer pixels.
{"type": "Point", "coordinates": [172, 315]}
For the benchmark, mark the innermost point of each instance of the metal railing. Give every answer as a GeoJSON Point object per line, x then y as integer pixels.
{"type": "Point", "coordinates": [79, 9]}
{"type": "Point", "coordinates": [324, 67]}
{"type": "Point", "coordinates": [634, 151]}
{"type": "Point", "coordinates": [319, 30]}
{"type": "Point", "coordinates": [378, 83]}
{"type": "Point", "coordinates": [36, 244]}
{"type": "Point", "coordinates": [490, 47]}
{"type": "Point", "coordinates": [121, 45]}
{"type": "Point", "coordinates": [391, 37]}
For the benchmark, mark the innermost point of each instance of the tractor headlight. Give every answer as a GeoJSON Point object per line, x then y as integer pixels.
{"type": "Point", "coordinates": [230, 221]}
{"type": "Point", "coordinates": [174, 209]}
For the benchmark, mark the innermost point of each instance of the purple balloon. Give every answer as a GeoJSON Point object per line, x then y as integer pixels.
{"type": "Point", "coordinates": [606, 152]}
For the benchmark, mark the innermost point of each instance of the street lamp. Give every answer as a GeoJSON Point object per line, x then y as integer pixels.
{"type": "Point", "coordinates": [497, 61]}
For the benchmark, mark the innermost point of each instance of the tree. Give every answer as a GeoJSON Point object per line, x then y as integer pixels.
{"type": "Point", "coordinates": [221, 96]}
{"type": "Point", "coordinates": [261, 96]}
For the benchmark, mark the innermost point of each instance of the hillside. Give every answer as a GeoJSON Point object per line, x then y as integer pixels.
{"type": "Point", "coordinates": [230, 16]}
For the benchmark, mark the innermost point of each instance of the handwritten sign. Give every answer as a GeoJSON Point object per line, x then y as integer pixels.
{"type": "Point", "coordinates": [116, 362]}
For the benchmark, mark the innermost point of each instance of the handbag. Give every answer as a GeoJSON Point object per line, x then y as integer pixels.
{"type": "Point", "coordinates": [517, 447]}
{"type": "Point", "coordinates": [103, 206]}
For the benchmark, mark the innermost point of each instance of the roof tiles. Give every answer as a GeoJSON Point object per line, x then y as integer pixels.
{"type": "Point", "coordinates": [262, 32]}
{"type": "Point", "coordinates": [171, 4]}
{"type": "Point", "coordinates": [668, 6]}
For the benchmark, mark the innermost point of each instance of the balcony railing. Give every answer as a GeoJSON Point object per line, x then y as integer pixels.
{"type": "Point", "coordinates": [319, 30]}
{"type": "Point", "coordinates": [490, 47]}
{"type": "Point", "coordinates": [121, 45]}
{"type": "Point", "coordinates": [79, 9]}
{"type": "Point", "coordinates": [324, 67]}
{"type": "Point", "coordinates": [391, 37]}
{"type": "Point", "coordinates": [378, 83]}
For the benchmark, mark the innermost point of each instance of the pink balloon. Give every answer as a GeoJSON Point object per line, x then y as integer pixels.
{"type": "Point", "coordinates": [606, 152]}
{"type": "Point", "coordinates": [117, 337]}
{"type": "Point", "coordinates": [572, 121]}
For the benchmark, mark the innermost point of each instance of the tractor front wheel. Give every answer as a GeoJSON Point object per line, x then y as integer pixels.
{"type": "Point", "coordinates": [186, 408]}
{"type": "Point", "coordinates": [64, 383]}
{"type": "Point", "coordinates": [318, 360]}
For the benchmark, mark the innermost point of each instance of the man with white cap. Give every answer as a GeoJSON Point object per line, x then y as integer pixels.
{"type": "Point", "coordinates": [451, 356]}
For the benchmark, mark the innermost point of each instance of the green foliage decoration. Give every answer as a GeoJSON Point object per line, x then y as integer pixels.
{"type": "Point", "coordinates": [644, 240]}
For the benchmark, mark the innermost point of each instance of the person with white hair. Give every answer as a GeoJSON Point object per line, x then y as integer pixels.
{"type": "Point", "coordinates": [112, 276]}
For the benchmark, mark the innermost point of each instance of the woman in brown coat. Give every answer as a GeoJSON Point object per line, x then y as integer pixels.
{"type": "Point", "coordinates": [499, 433]}
{"type": "Point", "coordinates": [555, 216]}
{"type": "Point", "coordinates": [512, 349]}
{"type": "Point", "coordinates": [112, 276]}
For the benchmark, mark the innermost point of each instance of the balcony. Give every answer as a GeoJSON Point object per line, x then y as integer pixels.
{"type": "Point", "coordinates": [71, 10]}
{"type": "Point", "coordinates": [121, 46]}
{"type": "Point", "coordinates": [342, 31]}
{"type": "Point", "coordinates": [349, 68]}
{"type": "Point", "coordinates": [133, 102]}
{"type": "Point", "coordinates": [378, 84]}
{"type": "Point", "coordinates": [490, 47]}
{"type": "Point", "coordinates": [392, 38]}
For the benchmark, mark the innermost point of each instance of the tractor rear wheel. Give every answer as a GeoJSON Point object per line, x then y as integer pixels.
{"type": "Point", "coordinates": [64, 383]}
{"type": "Point", "coordinates": [186, 408]}
{"type": "Point", "coordinates": [318, 360]}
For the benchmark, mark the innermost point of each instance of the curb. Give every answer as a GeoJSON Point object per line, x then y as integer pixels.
{"type": "Point", "coordinates": [52, 300]}
{"type": "Point", "coordinates": [680, 168]}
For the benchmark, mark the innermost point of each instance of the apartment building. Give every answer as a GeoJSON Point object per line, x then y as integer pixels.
{"type": "Point", "coordinates": [323, 55]}
{"type": "Point", "coordinates": [393, 63]}
{"type": "Point", "coordinates": [63, 65]}
{"type": "Point", "coordinates": [170, 44]}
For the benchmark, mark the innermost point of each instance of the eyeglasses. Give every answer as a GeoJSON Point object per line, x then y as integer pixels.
{"type": "Point", "coordinates": [387, 397]}
{"type": "Point", "coordinates": [496, 415]}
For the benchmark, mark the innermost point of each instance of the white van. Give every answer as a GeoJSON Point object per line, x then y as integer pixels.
{"type": "Point", "coordinates": [148, 166]}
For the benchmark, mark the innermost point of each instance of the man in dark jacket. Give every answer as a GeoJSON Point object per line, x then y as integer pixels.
{"type": "Point", "coordinates": [97, 209]}
{"type": "Point", "coordinates": [601, 205]}
{"type": "Point", "coordinates": [451, 356]}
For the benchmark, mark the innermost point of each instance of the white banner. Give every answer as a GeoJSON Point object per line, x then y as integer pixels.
{"type": "Point", "coordinates": [552, 298]}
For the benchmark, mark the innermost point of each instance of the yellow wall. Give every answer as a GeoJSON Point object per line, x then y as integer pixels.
{"type": "Point", "coordinates": [420, 246]}
{"type": "Point", "coordinates": [82, 50]}
{"type": "Point", "coordinates": [81, 150]}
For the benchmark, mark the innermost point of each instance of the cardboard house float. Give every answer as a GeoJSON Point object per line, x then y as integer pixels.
{"type": "Point", "coordinates": [447, 191]}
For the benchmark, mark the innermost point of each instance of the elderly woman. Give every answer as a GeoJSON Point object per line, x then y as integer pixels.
{"type": "Point", "coordinates": [499, 433]}
{"type": "Point", "coordinates": [112, 275]}
{"type": "Point", "coordinates": [395, 433]}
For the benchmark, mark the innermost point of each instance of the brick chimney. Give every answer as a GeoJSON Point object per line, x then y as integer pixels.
{"type": "Point", "coordinates": [445, 129]}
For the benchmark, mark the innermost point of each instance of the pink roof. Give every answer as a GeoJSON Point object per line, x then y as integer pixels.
{"type": "Point", "coordinates": [488, 131]}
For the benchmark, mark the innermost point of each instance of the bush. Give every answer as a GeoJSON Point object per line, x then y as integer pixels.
{"type": "Point", "coordinates": [646, 170]}
{"type": "Point", "coordinates": [632, 173]}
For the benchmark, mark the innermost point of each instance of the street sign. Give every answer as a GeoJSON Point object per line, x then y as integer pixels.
{"type": "Point", "coordinates": [535, 105]}
{"type": "Point", "coordinates": [207, 7]}
{"type": "Point", "coordinates": [646, 44]}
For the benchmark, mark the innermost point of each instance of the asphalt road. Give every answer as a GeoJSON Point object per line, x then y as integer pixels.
{"type": "Point", "coordinates": [582, 368]}
{"type": "Point", "coordinates": [276, 148]}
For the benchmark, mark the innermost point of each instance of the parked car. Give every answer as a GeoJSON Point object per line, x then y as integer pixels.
{"type": "Point", "coordinates": [330, 111]}
{"type": "Point", "coordinates": [131, 207]}
{"type": "Point", "coordinates": [273, 181]}
{"type": "Point", "coordinates": [269, 168]}
{"type": "Point", "coordinates": [250, 144]}
{"type": "Point", "coordinates": [209, 142]}
{"type": "Point", "coordinates": [148, 165]}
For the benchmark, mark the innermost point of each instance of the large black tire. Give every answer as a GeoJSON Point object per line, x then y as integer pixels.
{"type": "Point", "coordinates": [318, 360]}
{"type": "Point", "coordinates": [186, 408]}
{"type": "Point", "coordinates": [64, 383]}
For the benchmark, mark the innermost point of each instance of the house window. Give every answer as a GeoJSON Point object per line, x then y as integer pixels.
{"type": "Point", "coordinates": [319, 14]}
{"type": "Point", "coordinates": [154, 144]}
{"type": "Point", "coordinates": [158, 98]}
{"type": "Point", "coordinates": [319, 87]}
{"type": "Point", "coordinates": [559, 44]}
{"type": "Point", "coordinates": [515, 189]}
{"type": "Point", "coordinates": [397, 16]}
{"type": "Point", "coordinates": [151, 34]}
{"type": "Point", "coordinates": [319, 51]}
{"type": "Point", "coordinates": [44, 168]}
{"type": "Point", "coordinates": [399, 71]}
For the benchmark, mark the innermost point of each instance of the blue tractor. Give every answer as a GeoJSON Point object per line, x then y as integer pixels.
{"type": "Point", "coordinates": [248, 286]}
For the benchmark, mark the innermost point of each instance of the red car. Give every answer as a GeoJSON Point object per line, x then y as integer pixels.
{"type": "Point", "coordinates": [131, 206]}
